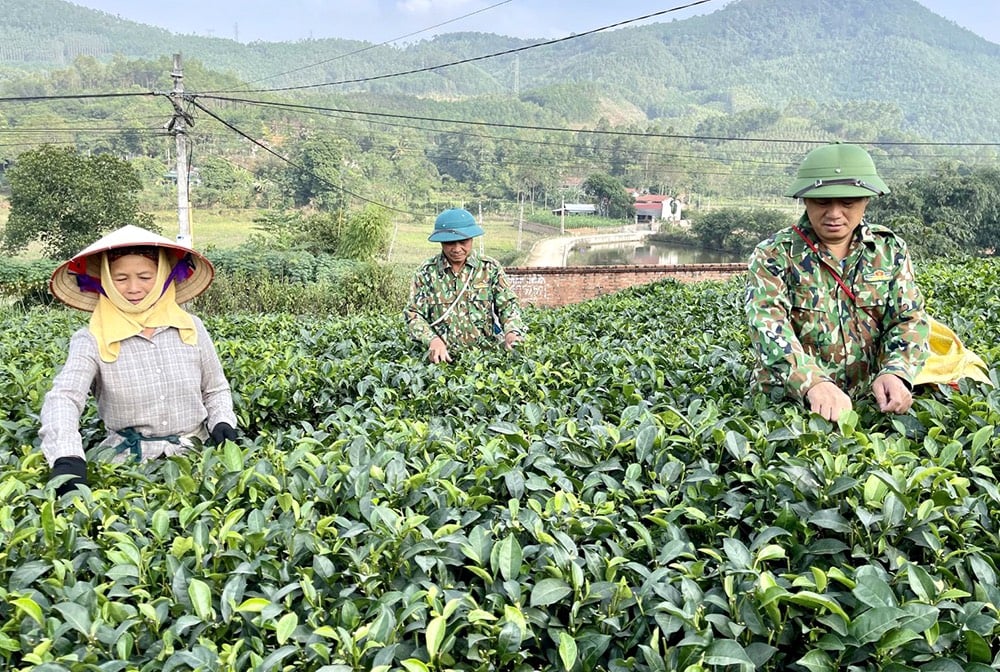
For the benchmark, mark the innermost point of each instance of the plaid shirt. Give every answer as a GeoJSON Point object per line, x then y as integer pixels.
{"type": "Point", "coordinates": [158, 386]}
{"type": "Point", "coordinates": [436, 287]}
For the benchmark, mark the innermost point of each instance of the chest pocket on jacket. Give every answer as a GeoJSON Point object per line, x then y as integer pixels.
{"type": "Point", "coordinates": [480, 295]}
{"type": "Point", "coordinates": [873, 296]}
{"type": "Point", "coordinates": [810, 314]}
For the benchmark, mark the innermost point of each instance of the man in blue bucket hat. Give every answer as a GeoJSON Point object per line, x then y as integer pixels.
{"type": "Point", "coordinates": [459, 297]}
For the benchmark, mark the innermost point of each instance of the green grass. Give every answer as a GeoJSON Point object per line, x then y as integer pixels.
{"type": "Point", "coordinates": [226, 229]}
{"type": "Point", "coordinates": [411, 246]}
{"type": "Point", "coordinates": [211, 228]}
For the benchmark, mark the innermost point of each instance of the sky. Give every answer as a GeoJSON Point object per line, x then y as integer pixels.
{"type": "Point", "coordinates": [380, 21]}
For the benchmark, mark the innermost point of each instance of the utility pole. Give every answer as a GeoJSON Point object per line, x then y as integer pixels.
{"type": "Point", "coordinates": [520, 220]}
{"type": "Point", "coordinates": [178, 127]}
{"type": "Point", "coordinates": [562, 218]}
{"type": "Point", "coordinates": [482, 249]}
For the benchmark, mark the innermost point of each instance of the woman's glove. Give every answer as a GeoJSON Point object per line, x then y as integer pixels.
{"type": "Point", "coordinates": [75, 468]}
{"type": "Point", "coordinates": [222, 432]}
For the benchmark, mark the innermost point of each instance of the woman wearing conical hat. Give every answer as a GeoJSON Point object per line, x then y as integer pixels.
{"type": "Point", "coordinates": [151, 365]}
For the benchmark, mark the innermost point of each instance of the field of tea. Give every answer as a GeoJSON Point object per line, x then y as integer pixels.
{"type": "Point", "coordinates": [608, 497]}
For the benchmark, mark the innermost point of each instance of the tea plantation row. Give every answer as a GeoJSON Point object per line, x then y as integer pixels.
{"type": "Point", "coordinates": [608, 497]}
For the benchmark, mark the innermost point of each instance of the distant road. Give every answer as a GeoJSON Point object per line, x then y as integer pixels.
{"type": "Point", "coordinates": [549, 252]}
{"type": "Point", "coordinates": [553, 251]}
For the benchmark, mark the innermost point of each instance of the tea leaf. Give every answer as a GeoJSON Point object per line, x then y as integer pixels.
{"type": "Point", "coordinates": [286, 626]}
{"type": "Point", "coordinates": [76, 615]}
{"type": "Point", "coordinates": [201, 598]}
{"type": "Point", "coordinates": [549, 591]}
{"type": "Point", "coordinates": [30, 608]}
{"type": "Point", "coordinates": [567, 650]}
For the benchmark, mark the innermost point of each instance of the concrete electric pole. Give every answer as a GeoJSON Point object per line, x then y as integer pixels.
{"type": "Point", "coordinates": [178, 127]}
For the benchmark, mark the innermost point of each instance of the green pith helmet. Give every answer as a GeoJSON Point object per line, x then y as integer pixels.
{"type": "Point", "coordinates": [455, 224]}
{"type": "Point", "coordinates": [837, 171]}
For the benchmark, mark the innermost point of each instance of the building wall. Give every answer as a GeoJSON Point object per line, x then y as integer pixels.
{"type": "Point", "coordinates": [550, 287]}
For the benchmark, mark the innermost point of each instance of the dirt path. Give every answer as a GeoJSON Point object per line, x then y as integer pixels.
{"type": "Point", "coordinates": [549, 252]}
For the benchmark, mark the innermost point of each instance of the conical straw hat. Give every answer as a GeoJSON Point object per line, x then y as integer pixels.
{"type": "Point", "coordinates": [66, 286]}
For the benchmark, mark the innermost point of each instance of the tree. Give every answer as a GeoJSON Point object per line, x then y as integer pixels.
{"type": "Point", "coordinates": [65, 200]}
{"type": "Point", "coordinates": [367, 234]}
{"type": "Point", "coordinates": [612, 199]}
{"type": "Point", "coordinates": [950, 212]}
{"type": "Point", "coordinates": [225, 183]}
{"type": "Point", "coordinates": [737, 229]}
{"type": "Point", "coordinates": [923, 240]}
{"type": "Point", "coordinates": [315, 177]}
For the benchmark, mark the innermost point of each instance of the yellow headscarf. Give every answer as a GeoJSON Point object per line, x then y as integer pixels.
{"type": "Point", "coordinates": [115, 318]}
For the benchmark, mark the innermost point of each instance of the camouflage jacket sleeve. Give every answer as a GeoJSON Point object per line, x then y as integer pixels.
{"type": "Point", "coordinates": [905, 328]}
{"type": "Point", "coordinates": [506, 304]}
{"type": "Point", "coordinates": [421, 287]}
{"type": "Point", "coordinates": [782, 361]}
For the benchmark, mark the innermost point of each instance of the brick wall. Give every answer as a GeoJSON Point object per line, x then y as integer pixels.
{"type": "Point", "coordinates": [550, 287]}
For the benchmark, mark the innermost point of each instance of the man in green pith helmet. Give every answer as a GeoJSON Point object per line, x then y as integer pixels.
{"type": "Point", "coordinates": [833, 307]}
{"type": "Point", "coordinates": [460, 297]}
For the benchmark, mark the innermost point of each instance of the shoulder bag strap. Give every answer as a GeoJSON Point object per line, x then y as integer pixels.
{"type": "Point", "coordinates": [836, 276]}
{"type": "Point", "coordinates": [454, 303]}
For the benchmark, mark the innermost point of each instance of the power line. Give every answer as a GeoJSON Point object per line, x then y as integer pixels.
{"type": "Point", "coordinates": [292, 163]}
{"type": "Point", "coordinates": [589, 131]}
{"type": "Point", "coordinates": [374, 46]}
{"type": "Point", "coordinates": [632, 150]}
{"type": "Point", "coordinates": [475, 59]}
{"type": "Point", "coordinates": [562, 145]}
{"type": "Point", "coordinates": [76, 96]}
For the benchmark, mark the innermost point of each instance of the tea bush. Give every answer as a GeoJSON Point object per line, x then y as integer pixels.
{"type": "Point", "coordinates": [19, 277]}
{"type": "Point", "coordinates": [610, 496]}
{"type": "Point", "coordinates": [296, 266]}
{"type": "Point", "coordinates": [363, 288]}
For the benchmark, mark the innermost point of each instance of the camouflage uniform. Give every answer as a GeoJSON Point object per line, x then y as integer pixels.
{"type": "Point", "coordinates": [435, 288]}
{"type": "Point", "coordinates": [805, 329]}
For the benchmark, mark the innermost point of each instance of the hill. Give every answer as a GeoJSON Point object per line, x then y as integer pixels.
{"type": "Point", "coordinates": [934, 76]}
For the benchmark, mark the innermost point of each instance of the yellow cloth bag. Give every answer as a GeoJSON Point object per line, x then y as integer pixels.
{"type": "Point", "coordinates": [949, 359]}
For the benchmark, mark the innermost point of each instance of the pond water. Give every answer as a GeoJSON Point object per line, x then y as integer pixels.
{"type": "Point", "coordinates": [642, 253]}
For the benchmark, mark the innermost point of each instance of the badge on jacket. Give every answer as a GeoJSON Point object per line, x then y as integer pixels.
{"type": "Point", "coordinates": [877, 276]}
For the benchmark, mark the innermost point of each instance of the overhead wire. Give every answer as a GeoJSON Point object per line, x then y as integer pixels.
{"type": "Point", "coordinates": [474, 59]}
{"type": "Point", "coordinates": [460, 122]}
{"type": "Point", "coordinates": [583, 131]}
{"type": "Point", "coordinates": [76, 96]}
{"type": "Point", "coordinates": [380, 44]}
{"type": "Point", "coordinates": [519, 127]}
{"type": "Point", "coordinates": [582, 162]}
{"type": "Point", "coordinates": [640, 152]}
{"type": "Point", "coordinates": [285, 159]}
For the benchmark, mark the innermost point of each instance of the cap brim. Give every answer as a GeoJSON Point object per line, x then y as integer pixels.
{"type": "Point", "coordinates": [64, 286]}
{"type": "Point", "coordinates": [451, 236]}
{"type": "Point", "coordinates": [836, 190]}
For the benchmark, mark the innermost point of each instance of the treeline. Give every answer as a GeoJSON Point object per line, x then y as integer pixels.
{"type": "Point", "coordinates": [415, 163]}
{"type": "Point", "coordinates": [951, 212]}
{"type": "Point", "coordinates": [954, 212]}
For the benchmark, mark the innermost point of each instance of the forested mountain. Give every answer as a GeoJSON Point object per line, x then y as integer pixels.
{"type": "Point", "coordinates": [939, 81]}
{"type": "Point", "coordinates": [720, 106]}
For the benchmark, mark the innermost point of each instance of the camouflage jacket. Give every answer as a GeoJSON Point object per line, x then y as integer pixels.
{"type": "Point", "coordinates": [487, 300]}
{"type": "Point", "coordinates": [805, 329]}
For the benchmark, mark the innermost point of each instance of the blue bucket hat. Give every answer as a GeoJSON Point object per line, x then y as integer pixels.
{"type": "Point", "coordinates": [455, 224]}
